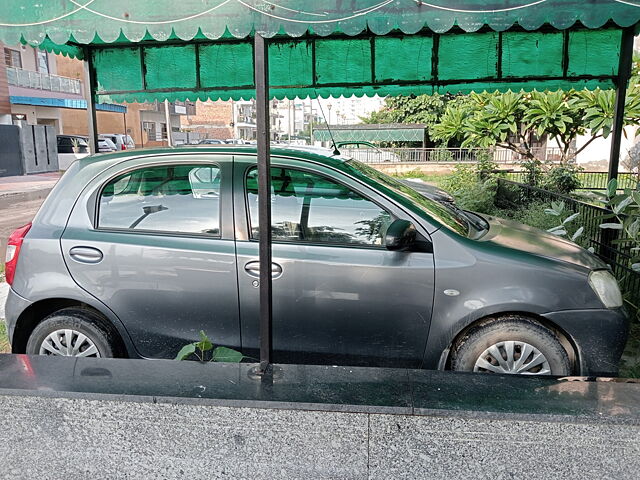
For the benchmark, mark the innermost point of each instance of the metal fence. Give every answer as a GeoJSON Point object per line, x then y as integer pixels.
{"type": "Point", "coordinates": [590, 180]}
{"type": "Point", "coordinates": [605, 242]}
{"type": "Point", "coordinates": [43, 81]}
{"type": "Point", "coordinates": [456, 155]}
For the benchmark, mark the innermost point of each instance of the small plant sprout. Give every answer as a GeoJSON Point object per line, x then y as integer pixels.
{"type": "Point", "coordinates": [205, 351]}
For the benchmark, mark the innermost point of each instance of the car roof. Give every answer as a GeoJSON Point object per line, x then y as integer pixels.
{"type": "Point", "coordinates": [315, 154]}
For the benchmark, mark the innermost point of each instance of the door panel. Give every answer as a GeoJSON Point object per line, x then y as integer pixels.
{"type": "Point", "coordinates": [165, 286]}
{"type": "Point", "coordinates": [342, 306]}
{"type": "Point", "coordinates": [339, 297]}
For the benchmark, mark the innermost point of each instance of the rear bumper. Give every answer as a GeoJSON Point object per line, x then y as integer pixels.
{"type": "Point", "coordinates": [13, 309]}
{"type": "Point", "coordinates": [598, 335]}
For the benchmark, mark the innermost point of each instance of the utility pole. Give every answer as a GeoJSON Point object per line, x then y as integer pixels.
{"type": "Point", "coordinates": [289, 122]}
{"type": "Point", "coordinates": [167, 118]}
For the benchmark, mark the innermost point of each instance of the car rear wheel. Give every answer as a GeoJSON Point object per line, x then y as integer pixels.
{"type": "Point", "coordinates": [511, 345]}
{"type": "Point", "coordinates": [72, 332]}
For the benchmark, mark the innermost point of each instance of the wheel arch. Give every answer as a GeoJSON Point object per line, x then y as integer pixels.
{"type": "Point", "coordinates": [567, 342]}
{"type": "Point", "coordinates": [35, 313]}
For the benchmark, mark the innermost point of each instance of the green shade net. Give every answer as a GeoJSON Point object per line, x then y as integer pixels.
{"type": "Point", "coordinates": [372, 133]}
{"type": "Point", "coordinates": [202, 49]}
{"type": "Point", "coordinates": [397, 64]}
{"type": "Point", "coordinates": [111, 20]}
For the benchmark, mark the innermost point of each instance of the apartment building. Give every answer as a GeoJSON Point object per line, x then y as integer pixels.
{"type": "Point", "coordinates": [41, 88]}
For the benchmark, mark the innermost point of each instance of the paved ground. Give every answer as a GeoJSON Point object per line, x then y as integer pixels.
{"type": "Point", "coordinates": [28, 183]}
{"type": "Point", "coordinates": [20, 198]}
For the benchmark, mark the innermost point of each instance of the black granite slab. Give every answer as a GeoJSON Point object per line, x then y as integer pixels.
{"type": "Point", "coordinates": [354, 389]}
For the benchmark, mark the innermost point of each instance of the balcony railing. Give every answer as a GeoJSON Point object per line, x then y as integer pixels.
{"type": "Point", "coordinates": [43, 81]}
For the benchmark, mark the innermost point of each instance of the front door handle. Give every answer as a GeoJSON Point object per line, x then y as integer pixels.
{"type": "Point", "coordinates": [86, 254]}
{"type": "Point", "coordinates": [253, 269]}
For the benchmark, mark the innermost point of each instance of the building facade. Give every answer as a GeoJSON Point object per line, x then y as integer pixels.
{"type": "Point", "coordinates": [41, 88]}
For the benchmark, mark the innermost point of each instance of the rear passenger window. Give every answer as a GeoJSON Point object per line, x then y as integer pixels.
{"type": "Point", "coordinates": [176, 198]}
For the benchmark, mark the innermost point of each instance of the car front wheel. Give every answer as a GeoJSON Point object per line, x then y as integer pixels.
{"type": "Point", "coordinates": [511, 345]}
{"type": "Point", "coordinates": [71, 332]}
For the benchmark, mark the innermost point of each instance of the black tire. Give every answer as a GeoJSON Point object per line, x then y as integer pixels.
{"type": "Point", "coordinates": [468, 349]}
{"type": "Point", "coordinates": [81, 320]}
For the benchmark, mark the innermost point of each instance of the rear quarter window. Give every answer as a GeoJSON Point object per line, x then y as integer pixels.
{"type": "Point", "coordinates": [175, 198]}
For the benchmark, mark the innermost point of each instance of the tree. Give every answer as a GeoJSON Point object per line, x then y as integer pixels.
{"type": "Point", "coordinates": [426, 109]}
{"type": "Point", "coordinates": [508, 119]}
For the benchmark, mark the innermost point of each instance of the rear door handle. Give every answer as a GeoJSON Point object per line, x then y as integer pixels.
{"type": "Point", "coordinates": [86, 254]}
{"type": "Point", "coordinates": [253, 269]}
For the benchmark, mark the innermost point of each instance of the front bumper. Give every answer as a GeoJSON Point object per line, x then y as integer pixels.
{"type": "Point", "coordinates": [598, 335]}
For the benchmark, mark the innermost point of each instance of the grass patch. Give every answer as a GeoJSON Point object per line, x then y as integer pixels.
{"type": "Point", "coordinates": [5, 347]}
{"type": "Point", "coordinates": [436, 179]}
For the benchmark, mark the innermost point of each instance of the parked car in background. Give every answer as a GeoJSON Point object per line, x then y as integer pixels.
{"type": "Point", "coordinates": [132, 255]}
{"type": "Point", "coordinates": [211, 141]}
{"type": "Point", "coordinates": [66, 144]}
{"type": "Point", "coordinates": [122, 142]}
{"type": "Point", "coordinates": [105, 145]}
{"type": "Point", "coordinates": [235, 141]}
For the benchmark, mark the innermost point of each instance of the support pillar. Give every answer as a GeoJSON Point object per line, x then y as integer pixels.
{"type": "Point", "coordinates": [89, 93]}
{"type": "Point", "coordinates": [624, 73]}
{"type": "Point", "coordinates": [264, 198]}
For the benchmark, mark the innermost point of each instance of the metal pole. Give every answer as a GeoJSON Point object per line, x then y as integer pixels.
{"type": "Point", "coordinates": [167, 119]}
{"type": "Point", "coordinates": [264, 198]}
{"type": "Point", "coordinates": [89, 94]}
{"type": "Point", "coordinates": [624, 73]}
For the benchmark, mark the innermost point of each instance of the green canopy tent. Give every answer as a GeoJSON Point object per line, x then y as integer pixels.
{"type": "Point", "coordinates": [221, 49]}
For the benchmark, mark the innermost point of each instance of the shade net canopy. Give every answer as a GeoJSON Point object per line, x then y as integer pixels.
{"type": "Point", "coordinates": [203, 49]}
{"type": "Point", "coordinates": [81, 20]}
{"type": "Point", "coordinates": [402, 132]}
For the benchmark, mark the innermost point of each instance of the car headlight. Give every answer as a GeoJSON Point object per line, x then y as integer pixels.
{"type": "Point", "coordinates": [606, 287]}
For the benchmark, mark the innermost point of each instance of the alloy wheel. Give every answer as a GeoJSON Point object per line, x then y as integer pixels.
{"type": "Point", "coordinates": [512, 357]}
{"type": "Point", "coordinates": [68, 343]}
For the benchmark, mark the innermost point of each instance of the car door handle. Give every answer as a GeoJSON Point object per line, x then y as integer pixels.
{"type": "Point", "coordinates": [86, 254]}
{"type": "Point", "coordinates": [253, 269]}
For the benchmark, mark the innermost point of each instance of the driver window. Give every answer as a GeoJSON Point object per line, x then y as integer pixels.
{"type": "Point", "coordinates": [307, 207]}
{"type": "Point", "coordinates": [173, 198]}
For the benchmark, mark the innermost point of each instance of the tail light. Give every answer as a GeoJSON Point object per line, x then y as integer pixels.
{"type": "Point", "coordinates": [123, 147]}
{"type": "Point", "coordinates": [13, 250]}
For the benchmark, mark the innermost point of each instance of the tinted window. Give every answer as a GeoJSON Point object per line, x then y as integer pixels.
{"type": "Point", "coordinates": [178, 198]}
{"type": "Point", "coordinates": [306, 207]}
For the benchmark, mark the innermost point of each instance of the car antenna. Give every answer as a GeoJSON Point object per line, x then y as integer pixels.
{"type": "Point", "coordinates": [333, 142]}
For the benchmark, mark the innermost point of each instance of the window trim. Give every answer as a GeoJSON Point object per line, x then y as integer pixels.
{"type": "Point", "coordinates": [169, 233]}
{"type": "Point", "coordinates": [305, 243]}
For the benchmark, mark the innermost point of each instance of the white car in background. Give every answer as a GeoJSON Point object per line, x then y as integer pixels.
{"type": "Point", "coordinates": [105, 146]}
{"type": "Point", "coordinates": [121, 141]}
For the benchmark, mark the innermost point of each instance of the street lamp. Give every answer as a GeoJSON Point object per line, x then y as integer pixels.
{"type": "Point", "coordinates": [329, 108]}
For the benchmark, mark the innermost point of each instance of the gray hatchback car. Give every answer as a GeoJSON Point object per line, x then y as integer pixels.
{"type": "Point", "coordinates": [133, 253]}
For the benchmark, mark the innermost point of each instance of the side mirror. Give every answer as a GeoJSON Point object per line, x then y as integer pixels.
{"type": "Point", "coordinates": [400, 235]}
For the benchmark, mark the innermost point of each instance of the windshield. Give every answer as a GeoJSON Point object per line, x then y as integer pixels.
{"type": "Point", "coordinates": [447, 216]}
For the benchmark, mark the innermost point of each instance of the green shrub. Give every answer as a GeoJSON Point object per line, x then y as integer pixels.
{"type": "Point", "coordinates": [463, 177]}
{"type": "Point", "coordinates": [562, 179]}
{"type": "Point", "coordinates": [470, 192]}
{"type": "Point", "coordinates": [532, 214]}
{"type": "Point", "coordinates": [485, 166]}
{"type": "Point", "coordinates": [441, 154]}
{"type": "Point", "coordinates": [533, 171]}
